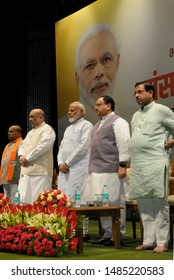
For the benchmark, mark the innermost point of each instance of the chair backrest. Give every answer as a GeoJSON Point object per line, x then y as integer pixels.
{"type": "Point", "coordinates": [171, 178]}
{"type": "Point", "coordinates": [171, 172]}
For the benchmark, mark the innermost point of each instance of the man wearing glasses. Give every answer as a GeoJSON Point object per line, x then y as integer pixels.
{"type": "Point", "coordinates": [109, 157]}
{"type": "Point", "coordinates": [97, 63]}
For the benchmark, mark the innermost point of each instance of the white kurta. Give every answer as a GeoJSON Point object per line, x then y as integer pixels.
{"type": "Point", "coordinates": [74, 150]}
{"type": "Point", "coordinates": [151, 128]}
{"type": "Point", "coordinates": [117, 188]}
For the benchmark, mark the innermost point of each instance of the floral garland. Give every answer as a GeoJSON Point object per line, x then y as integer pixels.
{"type": "Point", "coordinates": [45, 228]}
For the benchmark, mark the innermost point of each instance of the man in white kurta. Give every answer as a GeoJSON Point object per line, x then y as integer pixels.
{"type": "Point", "coordinates": [152, 127]}
{"type": "Point", "coordinates": [108, 159]}
{"type": "Point", "coordinates": [73, 155]}
{"type": "Point", "coordinates": [36, 158]}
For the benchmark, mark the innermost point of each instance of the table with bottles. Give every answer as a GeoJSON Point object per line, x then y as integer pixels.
{"type": "Point", "coordinates": [99, 211]}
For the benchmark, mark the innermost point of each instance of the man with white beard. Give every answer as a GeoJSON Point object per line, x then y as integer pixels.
{"type": "Point", "coordinates": [73, 155]}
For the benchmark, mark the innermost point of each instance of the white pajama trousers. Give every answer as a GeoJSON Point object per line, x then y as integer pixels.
{"type": "Point", "coordinates": [106, 222]}
{"type": "Point", "coordinates": [10, 191]}
{"type": "Point", "coordinates": [31, 186]}
{"type": "Point", "coordinates": [154, 213]}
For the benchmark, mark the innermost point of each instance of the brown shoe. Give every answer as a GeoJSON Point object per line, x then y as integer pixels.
{"type": "Point", "coordinates": [160, 249]}
{"type": "Point", "coordinates": [143, 247]}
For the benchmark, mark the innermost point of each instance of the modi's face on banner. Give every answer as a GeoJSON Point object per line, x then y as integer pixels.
{"type": "Point", "coordinates": [97, 62]}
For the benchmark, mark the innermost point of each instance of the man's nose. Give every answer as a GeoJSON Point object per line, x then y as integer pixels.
{"type": "Point", "coordinates": [98, 70]}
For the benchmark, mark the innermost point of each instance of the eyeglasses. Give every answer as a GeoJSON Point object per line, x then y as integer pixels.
{"type": "Point", "coordinates": [138, 92]}
{"type": "Point", "coordinates": [100, 104]}
{"type": "Point", "coordinates": [106, 61]}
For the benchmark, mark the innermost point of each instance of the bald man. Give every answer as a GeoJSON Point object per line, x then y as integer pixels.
{"type": "Point", "coordinates": [36, 158]}
{"type": "Point", "coordinates": [10, 167]}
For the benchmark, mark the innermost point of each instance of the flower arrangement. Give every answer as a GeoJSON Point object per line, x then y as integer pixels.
{"type": "Point", "coordinates": [45, 228]}
{"type": "Point", "coordinates": [4, 200]}
{"type": "Point", "coordinates": [24, 239]}
{"type": "Point", "coordinates": [54, 198]}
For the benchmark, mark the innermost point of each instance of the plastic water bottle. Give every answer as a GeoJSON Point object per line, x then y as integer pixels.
{"type": "Point", "coordinates": [17, 197]}
{"type": "Point", "coordinates": [105, 196]}
{"type": "Point", "coordinates": [77, 197]}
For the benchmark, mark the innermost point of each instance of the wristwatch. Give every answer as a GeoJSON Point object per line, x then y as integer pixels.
{"type": "Point", "coordinates": [121, 164]}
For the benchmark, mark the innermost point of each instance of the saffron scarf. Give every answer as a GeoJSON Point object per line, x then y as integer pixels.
{"type": "Point", "coordinates": [12, 168]}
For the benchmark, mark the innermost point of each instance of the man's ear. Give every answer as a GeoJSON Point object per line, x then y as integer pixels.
{"type": "Point", "coordinates": [109, 106]}
{"type": "Point", "coordinates": [77, 79]}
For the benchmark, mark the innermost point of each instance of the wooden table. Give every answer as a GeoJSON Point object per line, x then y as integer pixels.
{"type": "Point", "coordinates": [100, 211]}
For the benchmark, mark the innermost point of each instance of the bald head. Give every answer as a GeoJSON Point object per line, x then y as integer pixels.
{"type": "Point", "coordinates": [14, 132]}
{"type": "Point", "coordinates": [36, 117]}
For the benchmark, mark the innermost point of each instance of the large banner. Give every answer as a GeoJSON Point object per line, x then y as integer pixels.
{"type": "Point", "coordinates": [140, 47]}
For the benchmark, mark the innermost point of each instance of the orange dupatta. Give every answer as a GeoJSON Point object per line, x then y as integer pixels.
{"type": "Point", "coordinates": [12, 168]}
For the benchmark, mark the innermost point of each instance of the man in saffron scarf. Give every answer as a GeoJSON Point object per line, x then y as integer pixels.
{"type": "Point", "coordinates": [10, 167]}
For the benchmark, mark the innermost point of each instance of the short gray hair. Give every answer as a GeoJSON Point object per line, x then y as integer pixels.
{"type": "Point", "coordinates": [80, 105]}
{"type": "Point", "coordinates": [92, 31]}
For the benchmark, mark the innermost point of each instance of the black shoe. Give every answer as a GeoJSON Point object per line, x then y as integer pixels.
{"type": "Point", "coordinates": [109, 243]}
{"type": "Point", "coordinates": [100, 241]}
{"type": "Point", "coordinates": [86, 237]}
